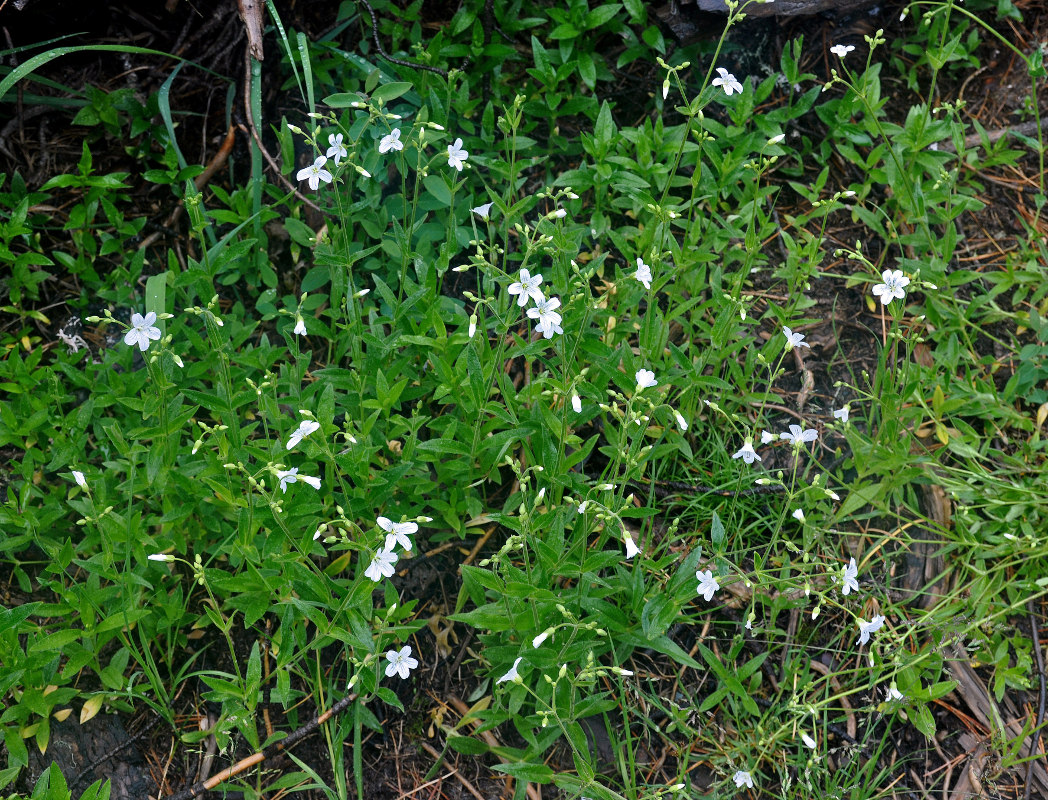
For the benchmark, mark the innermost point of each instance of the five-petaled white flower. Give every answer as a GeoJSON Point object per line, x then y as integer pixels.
{"type": "Point", "coordinates": [850, 577]}
{"type": "Point", "coordinates": [576, 403]}
{"type": "Point", "coordinates": [841, 50]}
{"type": "Point", "coordinates": [291, 476]}
{"type": "Point", "coordinates": [512, 675]}
{"type": "Point", "coordinates": [631, 546]}
{"type": "Point", "coordinates": [315, 173]}
{"type": "Point", "coordinates": [391, 141]}
{"type": "Point", "coordinates": [337, 150]}
{"type": "Point", "coordinates": [400, 663]}
{"type": "Point", "coordinates": [303, 430]}
{"type": "Point", "coordinates": [728, 81]}
{"type": "Point", "coordinates": [526, 288]}
{"type": "Point", "coordinates": [645, 378]}
{"type": "Point", "coordinates": [398, 532]}
{"type": "Point", "coordinates": [381, 565]}
{"type": "Point", "coordinates": [743, 778]}
{"type": "Point", "coordinates": [866, 629]}
{"type": "Point", "coordinates": [483, 211]}
{"type": "Point", "coordinates": [643, 273]}
{"type": "Point", "coordinates": [300, 326]}
{"type": "Point", "coordinates": [842, 413]}
{"type": "Point", "coordinates": [545, 311]}
{"type": "Point", "coordinates": [707, 584]}
{"type": "Point", "coordinates": [78, 476]}
{"type": "Point", "coordinates": [799, 436]}
{"type": "Point", "coordinates": [747, 453]}
{"type": "Point", "coordinates": [142, 330]}
{"type": "Point", "coordinates": [794, 339]}
{"type": "Point", "coordinates": [456, 155]}
{"type": "Point", "coordinates": [894, 285]}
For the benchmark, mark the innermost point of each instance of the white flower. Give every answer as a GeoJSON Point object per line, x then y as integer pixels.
{"type": "Point", "coordinates": [851, 574]}
{"type": "Point", "coordinates": [643, 273]}
{"type": "Point", "coordinates": [681, 422]}
{"type": "Point", "coordinates": [767, 437]}
{"type": "Point", "coordinates": [291, 476]}
{"type": "Point", "coordinates": [866, 629]}
{"type": "Point", "coordinates": [482, 211]}
{"type": "Point", "coordinates": [527, 288]}
{"type": "Point", "coordinates": [79, 478]}
{"type": "Point", "coordinates": [398, 531]}
{"type": "Point", "coordinates": [381, 565]}
{"type": "Point", "coordinates": [707, 584]}
{"type": "Point", "coordinates": [747, 453]}
{"type": "Point", "coordinates": [631, 546]}
{"type": "Point", "coordinates": [842, 413]}
{"type": "Point", "coordinates": [576, 403]}
{"type": "Point", "coordinates": [894, 695]}
{"type": "Point", "coordinates": [742, 778]}
{"type": "Point", "coordinates": [512, 675]}
{"type": "Point", "coordinates": [303, 430]}
{"type": "Point", "coordinates": [300, 325]}
{"type": "Point", "coordinates": [400, 663]}
{"type": "Point", "coordinates": [582, 506]}
{"type": "Point", "coordinates": [538, 640]}
{"type": "Point", "coordinates": [315, 173]}
{"type": "Point", "coordinates": [337, 150]}
{"type": "Point", "coordinates": [645, 378]}
{"type": "Point", "coordinates": [472, 325]}
{"type": "Point", "coordinates": [160, 557]}
{"type": "Point", "coordinates": [894, 285]}
{"type": "Point", "coordinates": [841, 50]}
{"type": "Point", "coordinates": [456, 155]}
{"type": "Point", "coordinates": [798, 515]}
{"type": "Point", "coordinates": [808, 741]}
{"type": "Point", "coordinates": [391, 141]}
{"type": "Point", "coordinates": [777, 138]}
{"type": "Point", "coordinates": [142, 330]}
{"type": "Point", "coordinates": [799, 436]}
{"type": "Point", "coordinates": [794, 339]}
{"type": "Point", "coordinates": [728, 81]}
{"type": "Point", "coordinates": [545, 312]}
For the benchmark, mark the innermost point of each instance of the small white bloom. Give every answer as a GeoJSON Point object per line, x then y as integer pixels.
{"type": "Point", "coordinates": [643, 273]}
{"type": "Point", "coordinates": [842, 413]}
{"type": "Point", "coordinates": [841, 50]}
{"type": "Point", "coordinates": [767, 437]}
{"type": "Point", "coordinates": [549, 320]}
{"type": "Point", "coordinates": [300, 325]}
{"type": "Point", "coordinates": [398, 531]}
{"type": "Point", "coordinates": [850, 577]}
{"type": "Point", "coordinates": [319, 533]}
{"type": "Point", "coordinates": [894, 695]}
{"type": "Point", "coordinates": [456, 155]}
{"type": "Point", "coordinates": [381, 565]}
{"type": "Point", "coordinates": [79, 478]}
{"type": "Point", "coordinates": [794, 339]}
{"type": "Point", "coordinates": [538, 640]}
{"type": "Point", "coordinates": [560, 213]}
{"type": "Point", "coordinates": [527, 288]}
{"type": "Point", "coordinates": [799, 436]}
{"type": "Point", "coordinates": [291, 476]}
{"type": "Point", "coordinates": [866, 629]}
{"type": "Point", "coordinates": [681, 422]}
{"type": "Point", "coordinates": [483, 211]}
{"type": "Point", "coordinates": [645, 379]}
{"type": "Point", "coordinates": [472, 325]}
{"type": "Point", "coordinates": [798, 515]}
{"type": "Point", "coordinates": [631, 547]}
{"type": "Point", "coordinates": [728, 81]}
{"type": "Point", "coordinates": [315, 173]}
{"type": "Point", "coordinates": [400, 663]}
{"type": "Point", "coordinates": [707, 584]}
{"type": "Point", "coordinates": [665, 88]}
{"type": "Point", "coordinates": [747, 453]}
{"type": "Point", "coordinates": [512, 675]}
{"type": "Point", "coordinates": [160, 557]}
{"type": "Point", "coordinates": [894, 285]}
{"type": "Point", "coordinates": [303, 430]}
{"type": "Point", "coordinates": [576, 403]}
{"type": "Point", "coordinates": [582, 506]}
{"type": "Point", "coordinates": [743, 778]}
{"type": "Point", "coordinates": [391, 141]}
{"type": "Point", "coordinates": [142, 330]}
{"type": "Point", "coordinates": [337, 150]}
{"type": "Point", "coordinates": [808, 741]}
{"type": "Point", "coordinates": [777, 138]}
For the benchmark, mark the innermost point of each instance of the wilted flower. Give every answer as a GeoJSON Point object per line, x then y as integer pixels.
{"type": "Point", "coordinates": [337, 149]}
{"type": "Point", "coordinates": [303, 430]}
{"type": "Point", "coordinates": [315, 173]}
{"type": "Point", "coordinates": [645, 378]}
{"type": "Point", "coordinates": [850, 577]}
{"type": "Point", "coordinates": [547, 316]}
{"type": "Point", "coordinates": [747, 453]}
{"type": "Point", "coordinates": [401, 662]}
{"type": "Point", "coordinates": [799, 436]}
{"type": "Point", "coordinates": [512, 675]}
{"type": "Point", "coordinates": [707, 584]}
{"type": "Point", "coordinates": [728, 81]}
{"type": "Point", "coordinates": [79, 478]}
{"type": "Point", "coordinates": [743, 778]}
{"type": "Point", "coordinates": [456, 155]}
{"type": "Point", "coordinates": [291, 476]}
{"type": "Point", "coordinates": [576, 403]}
{"type": "Point", "coordinates": [527, 287]}
{"type": "Point", "coordinates": [894, 285]}
{"type": "Point", "coordinates": [482, 211]}
{"type": "Point", "coordinates": [538, 640]}
{"type": "Point", "coordinates": [142, 330]}
{"type": "Point", "coordinates": [631, 546]}
{"type": "Point", "coordinates": [808, 741]}
{"type": "Point", "coordinates": [681, 422]}
{"type": "Point", "coordinates": [842, 413]}
{"type": "Point", "coordinates": [866, 629]}
{"type": "Point", "coordinates": [841, 50]}
{"type": "Point", "coordinates": [160, 557]}
{"type": "Point", "coordinates": [643, 273]}
{"type": "Point", "coordinates": [794, 339]}
{"type": "Point", "coordinates": [381, 565]}
{"type": "Point", "coordinates": [472, 325]}
{"type": "Point", "coordinates": [778, 138]}
{"type": "Point", "coordinates": [391, 141]}
{"type": "Point", "coordinates": [398, 532]}
{"type": "Point", "coordinates": [894, 695]}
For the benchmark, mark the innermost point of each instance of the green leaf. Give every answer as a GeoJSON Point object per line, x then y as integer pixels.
{"type": "Point", "coordinates": [438, 187]}
{"type": "Point", "coordinates": [536, 773]}
{"type": "Point", "coordinates": [390, 91]}
{"type": "Point", "coordinates": [717, 532]}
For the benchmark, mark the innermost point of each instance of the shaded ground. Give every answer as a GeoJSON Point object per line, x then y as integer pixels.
{"type": "Point", "coordinates": [37, 141]}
